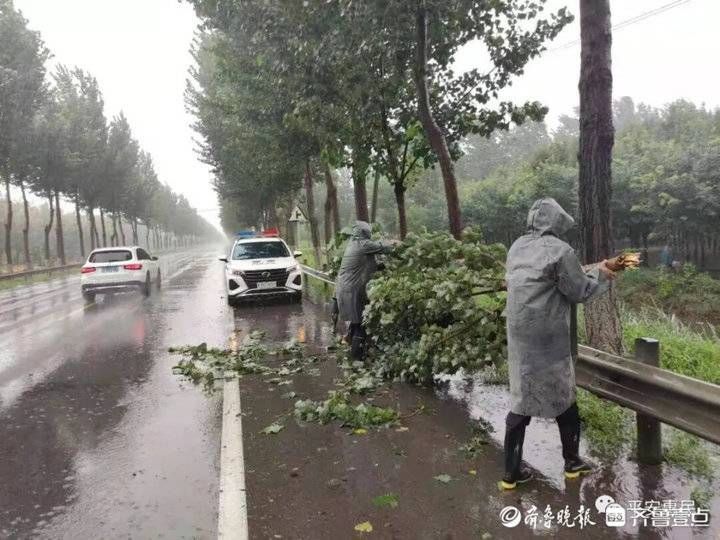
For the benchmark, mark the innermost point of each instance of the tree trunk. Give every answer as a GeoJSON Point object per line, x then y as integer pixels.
{"type": "Point", "coordinates": [8, 225]}
{"type": "Point", "coordinates": [360, 192]}
{"type": "Point", "coordinates": [602, 319]}
{"type": "Point", "coordinates": [122, 232]}
{"type": "Point", "coordinates": [327, 225]}
{"type": "Point", "coordinates": [26, 228]}
{"type": "Point", "coordinates": [48, 228]}
{"type": "Point", "coordinates": [114, 237]}
{"type": "Point", "coordinates": [147, 235]}
{"type": "Point", "coordinates": [79, 226]}
{"type": "Point", "coordinates": [91, 225]}
{"type": "Point", "coordinates": [400, 201]}
{"type": "Point", "coordinates": [104, 231]}
{"type": "Point", "coordinates": [134, 227]}
{"type": "Point", "coordinates": [95, 228]}
{"type": "Point", "coordinates": [310, 197]}
{"type": "Point", "coordinates": [435, 136]}
{"type": "Point", "coordinates": [332, 200]}
{"type": "Point", "coordinates": [59, 238]}
{"type": "Point", "coordinates": [376, 185]}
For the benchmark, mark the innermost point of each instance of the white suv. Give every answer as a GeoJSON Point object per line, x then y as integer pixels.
{"type": "Point", "coordinates": [119, 269]}
{"type": "Point", "coordinates": [262, 266]}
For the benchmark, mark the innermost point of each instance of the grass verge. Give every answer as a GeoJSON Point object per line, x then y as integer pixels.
{"type": "Point", "coordinates": [11, 283]}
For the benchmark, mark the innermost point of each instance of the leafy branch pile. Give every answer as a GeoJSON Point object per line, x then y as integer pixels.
{"type": "Point", "coordinates": [338, 407]}
{"type": "Point", "coordinates": [203, 364]}
{"type": "Point", "coordinates": [436, 308]}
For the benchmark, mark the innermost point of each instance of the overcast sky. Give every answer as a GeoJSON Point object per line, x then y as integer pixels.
{"type": "Point", "coordinates": [138, 50]}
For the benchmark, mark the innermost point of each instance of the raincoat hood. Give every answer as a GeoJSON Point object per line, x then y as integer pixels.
{"type": "Point", "coordinates": [546, 216]}
{"type": "Point", "coordinates": [361, 230]}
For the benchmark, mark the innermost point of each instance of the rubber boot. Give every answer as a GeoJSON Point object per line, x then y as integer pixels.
{"type": "Point", "coordinates": [515, 473]}
{"type": "Point", "coordinates": [357, 347]}
{"type": "Point", "coordinates": [357, 342]}
{"type": "Point", "coordinates": [569, 426]}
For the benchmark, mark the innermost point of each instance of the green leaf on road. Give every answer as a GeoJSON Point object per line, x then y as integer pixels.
{"type": "Point", "coordinates": [364, 527]}
{"type": "Point", "coordinates": [444, 478]}
{"type": "Point", "coordinates": [389, 499]}
{"type": "Point", "coordinates": [272, 429]}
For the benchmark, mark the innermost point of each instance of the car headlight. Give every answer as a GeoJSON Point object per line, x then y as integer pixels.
{"type": "Point", "coordinates": [293, 268]}
{"type": "Point", "coordinates": [237, 272]}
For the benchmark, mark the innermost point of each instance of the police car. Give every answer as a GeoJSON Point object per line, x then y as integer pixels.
{"type": "Point", "coordinates": [261, 265]}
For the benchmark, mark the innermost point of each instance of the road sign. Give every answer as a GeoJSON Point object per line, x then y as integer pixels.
{"type": "Point", "coordinates": [297, 215]}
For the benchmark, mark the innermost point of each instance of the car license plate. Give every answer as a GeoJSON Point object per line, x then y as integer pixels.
{"type": "Point", "coordinates": [107, 269]}
{"type": "Point", "coordinates": [267, 284]}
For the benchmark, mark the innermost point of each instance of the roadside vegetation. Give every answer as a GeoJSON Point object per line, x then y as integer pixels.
{"type": "Point", "coordinates": [38, 278]}
{"type": "Point", "coordinates": [57, 144]}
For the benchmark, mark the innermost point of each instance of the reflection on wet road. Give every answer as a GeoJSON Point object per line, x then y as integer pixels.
{"type": "Point", "coordinates": [99, 438]}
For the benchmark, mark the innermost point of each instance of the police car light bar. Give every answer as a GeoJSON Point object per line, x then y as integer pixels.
{"type": "Point", "coordinates": [267, 233]}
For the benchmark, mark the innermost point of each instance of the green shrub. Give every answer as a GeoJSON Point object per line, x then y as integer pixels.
{"type": "Point", "coordinates": [682, 349]}
{"type": "Point", "coordinates": [608, 427]}
{"type": "Point", "coordinates": [688, 452]}
{"type": "Point", "coordinates": [691, 295]}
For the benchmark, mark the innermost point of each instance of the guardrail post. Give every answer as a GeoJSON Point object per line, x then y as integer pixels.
{"type": "Point", "coordinates": [649, 431]}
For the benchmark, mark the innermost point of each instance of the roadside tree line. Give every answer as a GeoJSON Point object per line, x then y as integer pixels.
{"type": "Point", "coordinates": [56, 143]}
{"type": "Point", "coordinates": [287, 93]}
{"type": "Point", "coordinates": [666, 180]}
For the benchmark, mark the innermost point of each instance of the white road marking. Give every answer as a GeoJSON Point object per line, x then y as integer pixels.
{"type": "Point", "coordinates": [232, 507]}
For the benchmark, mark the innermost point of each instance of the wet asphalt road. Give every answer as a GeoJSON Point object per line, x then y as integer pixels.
{"type": "Point", "coordinates": [98, 438]}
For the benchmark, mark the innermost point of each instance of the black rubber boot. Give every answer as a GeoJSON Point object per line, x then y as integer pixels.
{"type": "Point", "coordinates": [576, 467]}
{"type": "Point", "coordinates": [357, 342]}
{"type": "Point", "coordinates": [515, 473]}
{"type": "Point", "coordinates": [569, 426]}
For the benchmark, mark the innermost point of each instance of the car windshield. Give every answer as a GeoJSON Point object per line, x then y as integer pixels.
{"type": "Point", "coordinates": [259, 250]}
{"type": "Point", "coordinates": [110, 256]}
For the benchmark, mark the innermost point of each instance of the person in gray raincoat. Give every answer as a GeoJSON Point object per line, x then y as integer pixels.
{"type": "Point", "coordinates": [544, 278]}
{"type": "Point", "coordinates": [356, 269]}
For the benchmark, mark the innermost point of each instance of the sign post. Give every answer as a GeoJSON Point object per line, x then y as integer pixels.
{"type": "Point", "coordinates": [296, 216]}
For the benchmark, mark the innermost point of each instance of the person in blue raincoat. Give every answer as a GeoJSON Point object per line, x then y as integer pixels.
{"type": "Point", "coordinates": [544, 278]}
{"type": "Point", "coordinates": [356, 269]}
{"type": "Point", "coordinates": [666, 258]}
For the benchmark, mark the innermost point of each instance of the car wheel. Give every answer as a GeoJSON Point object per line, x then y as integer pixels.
{"type": "Point", "coordinates": [297, 298]}
{"type": "Point", "coordinates": [146, 288]}
{"type": "Point", "coordinates": [232, 302]}
{"type": "Point", "coordinates": [158, 280]}
{"type": "Point", "coordinates": [88, 297]}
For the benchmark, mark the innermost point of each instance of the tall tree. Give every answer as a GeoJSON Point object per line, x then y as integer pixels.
{"type": "Point", "coordinates": [602, 320]}
{"type": "Point", "coordinates": [52, 169]}
{"type": "Point", "coordinates": [81, 107]}
{"type": "Point", "coordinates": [22, 87]}
{"type": "Point", "coordinates": [121, 158]}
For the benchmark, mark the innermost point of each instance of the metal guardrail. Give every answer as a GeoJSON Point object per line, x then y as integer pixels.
{"type": "Point", "coordinates": [686, 403]}
{"type": "Point", "coordinates": [317, 274]}
{"type": "Point", "coordinates": [39, 271]}
{"type": "Point", "coordinates": [655, 394]}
